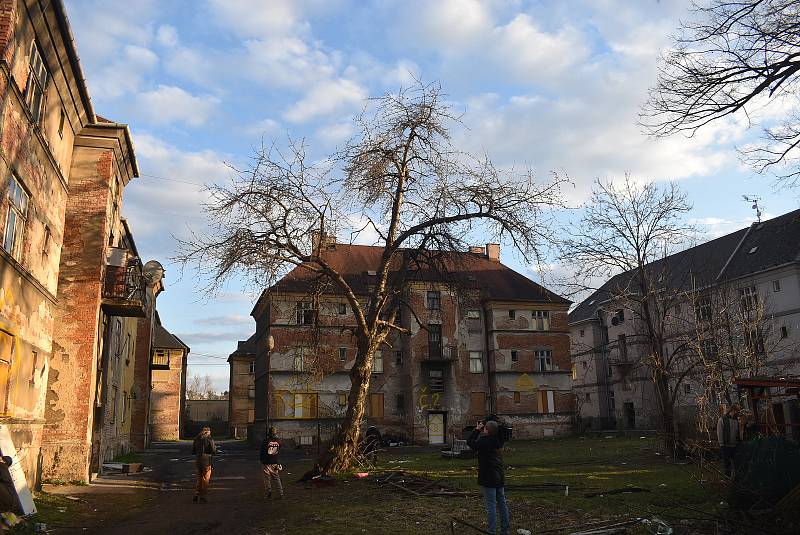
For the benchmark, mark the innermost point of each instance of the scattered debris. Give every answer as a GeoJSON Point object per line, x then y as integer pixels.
{"type": "Point", "coordinates": [421, 486]}
{"type": "Point", "coordinates": [460, 450]}
{"type": "Point", "coordinates": [73, 498]}
{"type": "Point", "coordinates": [361, 475]}
{"type": "Point", "coordinates": [654, 525]}
{"type": "Point", "coordinates": [399, 461]}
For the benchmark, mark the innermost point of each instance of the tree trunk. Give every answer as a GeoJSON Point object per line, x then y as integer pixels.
{"type": "Point", "coordinates": [344, 447]}
{"type": "Point", "coordinates": [667, 414]}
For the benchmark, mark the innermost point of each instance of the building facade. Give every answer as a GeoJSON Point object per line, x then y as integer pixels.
{"type": "Point", "coordinates": [168, 385]}
{"type": "Point", "coordinates": [242, 389]}
{"type": "Point", "coordinates": [498, 346]}
{"type": "Point", "coordinates": [751, 273]}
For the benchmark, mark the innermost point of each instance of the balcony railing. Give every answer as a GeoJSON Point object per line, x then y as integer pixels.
{"type": "Point", "coordinates": [438, 353]}
{"type": "Point", "coordinates": [123, 285]}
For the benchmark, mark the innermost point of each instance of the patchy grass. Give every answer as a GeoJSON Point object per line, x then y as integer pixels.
{"type": "Point", "coordinates": [587, 465]}
{"type": "Point", "coordinates": [130, 457]}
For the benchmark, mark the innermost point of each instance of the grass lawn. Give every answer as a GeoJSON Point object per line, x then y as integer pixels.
{"type": "Point", "coordinates": [587, 465]}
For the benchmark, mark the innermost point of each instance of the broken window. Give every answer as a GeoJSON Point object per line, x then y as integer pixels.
{"type": "Point", "coordinates": [434, 300]}
{"type": "Point", "coordinates": [477, 403]}
{"type": "Point", "coordinates": [306, 314]}
{"type": "Point", "coordinates": [544, 360]}
{"type": "Point", "coordinates": [755, 341]}
{"type": "Point", "coordinates": [514, 356]}
{"type": "Point", "coordinates": [436, 380]}
{"type": "Point", "coordinates": [37, 84]}
{"type": "Point", "coordinates": [343, 354]}
{"type": "Point", "coordinates": [476, 362]}
{"type": "Point", "coordinates": [546, 402]}
{"type": "Point", "coordinates": [434, 340]}
{"type": "Point", "coordinates": [376, 405]}
{"type": "Point", "coordinates": [15, 218]}
{"type": "Point", "coordinates": [748, 297]}
{"type": "Point", "coordinates": [702, 309]}
{"type": "Point", "coordinates": [342, 309]}
{"type": "Point", "coordinates": [512, 314]}
{"type": "Point", "coordinates": [377, 362]}
{"type": "Point", "coordinates": [541, 320]}
{"type": "Point", "coordinates": [251, 368]}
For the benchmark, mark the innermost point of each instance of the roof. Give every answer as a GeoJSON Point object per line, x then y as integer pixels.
{"type": "Point", "coordinates": [357, 264]}
{"type": "Point", "coordinates": [750, 250]}
{"type": "Point", "coordinates": [245, 348]}
{"type": "Point", "coordinates": [776, 382]}
{"type": "Point", "coordinates": [163, 339]}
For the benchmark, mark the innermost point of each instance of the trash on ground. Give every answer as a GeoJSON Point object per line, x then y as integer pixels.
{"type": "Point", "coordinates": [361, 475]}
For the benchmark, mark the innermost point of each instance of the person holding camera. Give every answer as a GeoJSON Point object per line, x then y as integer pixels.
{"type": "Point", "coordinates": [486, 441]}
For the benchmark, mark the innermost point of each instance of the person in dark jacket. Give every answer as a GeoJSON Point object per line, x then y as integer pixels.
{"type": "Point", "coordinates": [485, 440]}
{"type": "Point", "coordinates": [202, 449]}
{"type": "Point", "coordinates": [729, 434]}
{"type": "Point", "coordinates": [269, 463]}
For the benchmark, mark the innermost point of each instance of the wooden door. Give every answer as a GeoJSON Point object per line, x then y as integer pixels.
{"type": "Point", "coordinates": [436, 428]}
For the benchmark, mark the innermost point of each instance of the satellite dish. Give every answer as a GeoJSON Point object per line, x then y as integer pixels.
{"type": "Point", "coordinates": [153, 272]}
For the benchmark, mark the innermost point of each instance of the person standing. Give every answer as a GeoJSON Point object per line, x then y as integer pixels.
{"type": "Point", "coordinates": [202, 449]}
{"type": "Point", "coordinates": [729, 436]}
{"type": "Point", "coordinates": [485, 440]}
{"type": "Point", "coordinates": [269, 463]}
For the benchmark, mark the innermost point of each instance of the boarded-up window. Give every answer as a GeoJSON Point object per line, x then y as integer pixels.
{"type": "Point", "coordinates": [292, 405]}
{"type": "Point", "coordinates": [6, 354]}
{"type": "Point", "coordinates": [376, 405]}
{"type": "Point", "coordinates": [517, 397]}
{"type": "Point", "coordinates": [477, 403]}
{"type": "Point", "coordinates": [546, 404]}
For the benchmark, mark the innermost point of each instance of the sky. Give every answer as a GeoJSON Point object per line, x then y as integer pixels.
{"type": "Point", "coordinates": [550, 85]}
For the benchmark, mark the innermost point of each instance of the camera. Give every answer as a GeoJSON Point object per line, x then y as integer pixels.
{"type": "Point", "coordinates": [504, 431]}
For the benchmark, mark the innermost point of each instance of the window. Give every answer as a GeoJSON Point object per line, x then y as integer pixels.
{"type": "Point", "coordinates": [473, 314]}
{"type": "Point", "coordinates": [434, 300]}
{"type": "Point", "coordinates": [702, 309]}
{"type": "Point", "coordinates": [574, 372]}
{"type": "Point", "coordinates": [161, 358]}
{"type": "Point", "coordinates": [687, 389]}
{"type": "Point", "coordinates": [434, 340]}
{"type": "Point", "coordinates": [512, 314]}
{"type": "Point", "coordinates": [37, 83]}
{"type": "Point", "coordinates": [544, 360]}
{"type": "Point", "coordinates": [292, 405]}
{"type": "Point", "coordinates": [398, 358]}
{"type": "Point", "coordinates": [588, 396]}
{"type": "Point", "coordinates": [6, 354]}
{"type": "Point", "coordinates": [581, 333]}
{"type": "Point", "coordinates": [376, 405]}
{"type": "Point", "coordinates": [400, 403]}
{"type": "Point", "coordinates": [343, 354]}
{"type": "Point", "coordinates": [475, 362]}
{"type": "Point", "coordinates": [541, 320]}
{"type": "Point", "coordinates": [298, 364]}
{"type": "Point", "coordinates": [546, 402]}
{"type": "Point", "coordinates": [755, 341]}
{"type": "Point", "coordinates": [377, 362]}
{"type": "Point", "coordinates": [251, 392]}
{"type": "Point", "coordinates": [621, 314]}
{"type": "Point", "coordinates": [784, 331]}
{"type": "Point", "coordinates": [305, 313]}
{"type": "Point", "coordinates": [611, 402]}
{"type": "Point", "coordinates": [307, 440]}
{"type": "Point", "coordinates": [15, 220]}
{"type": "Point", "coordinates": [477, 403]}
{"type": "Point", "coordinates": [61, 120]}
{"type": "Point", "coordinates": [342, 309]}
{"type": "Point", "coordinates": [622, 343]}
{"type": "Point", "coordinates": [514, 356]}
{"type": "Point", "coordinates": [251, 368]}
{"type": "Point", "coordinates": [517, 397]}
{"type": "Point", "coordinates": [776, 286]}
{"type": "Point", "coordinates": [584, 364]}
{"type": "Point", "coordinates": [436, 380]}
{"type": "Point", "coordinates": [626, 385]}
{"type": "Point", "coordinates": [748, 297]}
{"type": "Point", "coordinates": [342, 400]}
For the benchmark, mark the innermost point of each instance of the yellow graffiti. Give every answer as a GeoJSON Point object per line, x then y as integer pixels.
{"type": "Point", "coordinates": [422, 402]}
{"type": "Point", "coordinates": [525, 384]}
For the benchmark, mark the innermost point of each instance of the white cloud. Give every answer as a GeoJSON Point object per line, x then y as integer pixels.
{"type": "Point", "coordinates": [124, 74]}
{"type": "Point", "coordinates": [336, 133]}
{"type": "Point", "coordinates": [167, 35]}
{"type": "Point", "coordinates": [169, 104]}
{"type": "Point", "coordinates": [326, 98]}
{"type": "Point", "coordinates": [265, 127]}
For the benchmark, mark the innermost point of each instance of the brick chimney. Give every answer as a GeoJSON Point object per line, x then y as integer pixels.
{"type": "Point", "coordinates": [322, 240]}
{"type": "Point", "coordinates": [477, 249]}
{"type": "Point", "coordinates": [493, 251]}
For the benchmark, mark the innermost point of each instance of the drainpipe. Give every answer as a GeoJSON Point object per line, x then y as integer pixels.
{"type": "Point", "coordinates": [489, 359]}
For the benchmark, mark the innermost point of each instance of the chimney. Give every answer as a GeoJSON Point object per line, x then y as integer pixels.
{"type": "Point", "coordinates": [322, 240]}
{"type": "Point", "coordinates": [493, 251]}
{"type": "Point", "coordinates": [476, 249]}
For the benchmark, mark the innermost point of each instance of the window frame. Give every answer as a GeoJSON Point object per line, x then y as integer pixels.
{"type": "Point", "coordinates": [18, 205]}
{"type": "Point", "coordinates": [38, 79]}
{"type": "Point", "coordinates": [433, 300]}
{"type": "Point", "coordinates": [514, 355]}
{"type": "Point", "coordinates": [544, 356]}
{"type": "Point", "coordinates": [305, 313]}
{"type": "Point", "coordinates": [540, 320]}
{"type": "Point", "coordinates": [377, 361]}
{"type": "Point", "coordinates": [473, 359]}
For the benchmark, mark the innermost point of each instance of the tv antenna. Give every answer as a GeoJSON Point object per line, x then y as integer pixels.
{"type": "Point", "coordinates": [753, 199]}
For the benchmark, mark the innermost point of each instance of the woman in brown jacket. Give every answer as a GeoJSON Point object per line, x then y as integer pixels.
{"type": "Point", "coordinates": [203, 448]}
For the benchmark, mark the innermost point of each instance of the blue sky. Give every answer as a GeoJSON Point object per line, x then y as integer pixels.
{"type": "Point", "coordinates": [552, 85]}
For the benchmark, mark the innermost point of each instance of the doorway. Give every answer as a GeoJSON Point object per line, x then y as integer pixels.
{"type": "Point", "coordinates": [630, 415]}
{"type": "Point", "coordinates": [436, 426]}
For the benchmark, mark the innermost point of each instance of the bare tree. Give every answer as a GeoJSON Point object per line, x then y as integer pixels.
{"type": "Point", "coordinates": [735, 56]}
{"type": "Point", "coordinates": [200, 387]}
{"type": "Point", "coordinates": [400, 180]}
{"type": "Point", "coordinates": [628, 229]}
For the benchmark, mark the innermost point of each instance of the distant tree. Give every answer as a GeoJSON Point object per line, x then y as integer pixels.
{"type": "Point", "coordinates": [734, 56]}
{"type": "Point", "coordinates": [400, 180]}
{"type": "Point", "coordinates": [629, 228]}
{"type": "Point", "coordinates": [200, 387]}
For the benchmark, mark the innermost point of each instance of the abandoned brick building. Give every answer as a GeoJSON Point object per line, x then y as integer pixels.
{"type": "Point", "coordinates": [168, 384]}
{"type": "Point", "coordinates": [75, 308]}
{"type": "Point", "coordinates": [500, 345]}
{"type": "Point", "coordinates": [241, 391]}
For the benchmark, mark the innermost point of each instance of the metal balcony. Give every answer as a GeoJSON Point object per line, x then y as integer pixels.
{"type": "Point", "coordinates": [123, 285]}
{"type": "Point", "coordinates": [440, 354]}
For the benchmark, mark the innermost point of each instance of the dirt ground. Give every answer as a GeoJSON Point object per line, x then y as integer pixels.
{"type": "Point", "coordinates": [159, 501]}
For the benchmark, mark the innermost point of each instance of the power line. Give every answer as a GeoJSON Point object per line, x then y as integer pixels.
{"type": "Point", "coordinates": [157, 177]}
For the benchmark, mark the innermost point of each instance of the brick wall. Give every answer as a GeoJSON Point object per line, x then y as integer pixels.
{"type": "Point", "coordinates": [165, 398]}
